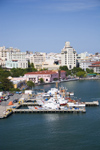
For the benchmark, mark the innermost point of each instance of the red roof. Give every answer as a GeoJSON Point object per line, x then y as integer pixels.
{"type": "Point", "coordinates": [44, 72]}
{"type": "Point", "coordinates": [94, 66]}
{"type": "Point", "coordinates": [96, 63]}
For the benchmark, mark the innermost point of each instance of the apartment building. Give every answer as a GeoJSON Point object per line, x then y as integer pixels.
{"type": "Point", "coordinates": [95, 66]}
{"type": "Point", "coordinates": [3, 54]}
{"type": "Point", "coordinates": [16, 60]}
{"type": "Point", "coordinates": [85, 64]}
{"type": "Point", "coordinates": [68, 56]}
{"type": "Point", "coordinates": [37, 59]}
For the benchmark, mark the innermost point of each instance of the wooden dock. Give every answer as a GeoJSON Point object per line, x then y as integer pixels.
{"type": "Point", "coordinates": [94, 103]}
{"type": "Point", "coordinates": [48, 111]}
{"type": "Point", "coordinates": [30, 104]}
{"type": "Point", "coordinates": [15, 109]}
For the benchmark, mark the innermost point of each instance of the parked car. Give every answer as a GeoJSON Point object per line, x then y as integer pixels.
{"type": "Point", "coordinates": [6, 98]}
{"type": "Point", "coordinates": [11, 94]}
{"type": "Point", "coordinates": [18, 92]}
{"type": "Point", "coordinates": [15, 100]}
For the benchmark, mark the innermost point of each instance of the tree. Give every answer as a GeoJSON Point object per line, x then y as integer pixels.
{"type": "Point", "coordinates": [80, 73]}
{"type": "Point", "coordinates": [76, 69]}
{"type": "Point", "coordinates": [30, 84]}
{"type": "Point", "coordinates": [5, 84]}
{"type": "Point", "coordinates": [65, 68]}
{"type": "Point", "coordinates": [43, 69]}
{"type": "Point", "coordinates": [41, 80]}
{"type": "Point", "coordinates": [89, 70]}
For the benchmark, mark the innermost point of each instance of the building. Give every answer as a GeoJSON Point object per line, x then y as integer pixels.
{"type": "Point", "coordinates": [68, 56]}
{"type": "Point", "coordinates": [37, 59]}
{"type": "Point", "coordinates": [3, 54]}
{"type": "Point", "coordinates": [48, 76]}
{"type": "Point", "coordinates": [16, 60]}
{"type": "Point", "coordinates": [17, 81]}
{"type": "Point", "coordinates": [85, 64]}
{"type": "Point", "coordinates": [95, 66]}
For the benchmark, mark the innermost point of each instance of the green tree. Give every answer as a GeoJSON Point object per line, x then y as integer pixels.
{"type": "Point", "coordinates": [16, 72]}
{"type": "Point", "coordinates": [43, 69]}
{"type": "Point", "coordinates": [41, 80]}
{"type": "Point", "coordinates": [5, 84]}
{"type": "Point", "coordinates": [30, 84]}
{"type": "Point", "coordinates": [81, 74]}
{"type": "Point", "coordinates": [65, 68]}
{"type": "Point", "coordinates": [89, 70]}
{"type": "Point", "coordinates": [76, 69]}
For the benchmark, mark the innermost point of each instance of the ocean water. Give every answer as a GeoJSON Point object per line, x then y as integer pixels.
{"type": "Point", "coordinates": [65, 131]}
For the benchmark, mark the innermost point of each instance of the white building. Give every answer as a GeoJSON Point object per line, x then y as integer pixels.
{"type": "Point", "coordinates": [68, 56]}
{"type": "Point", "coordinates": [16, 60]}
{"type": "Point", "coordinates": [3, 54]}
{"type": "Point", "coordinates": [95, 66]}
{"type": "Point", "coordinates": [37, 59]}
{"type": "Point", "coordinates": [85, 64]}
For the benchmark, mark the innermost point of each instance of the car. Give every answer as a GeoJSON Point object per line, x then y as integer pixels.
{"type": "Point", "coordinates": [18, 92]}
{"type": "Point", "coordinates": [15, 100]}
{"type": "Point", "coordinates": [6, 98]}
{"type": "Point", "coordinates": [11, 94]}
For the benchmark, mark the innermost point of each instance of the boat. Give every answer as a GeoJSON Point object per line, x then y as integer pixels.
{"type": "Point", "coordinates": [52, 91]}
{"type": "Point", "coordinates": [76, 104]}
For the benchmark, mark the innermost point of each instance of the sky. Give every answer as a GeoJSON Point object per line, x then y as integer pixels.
{"type": "Point", "coordinates": [45, 25]}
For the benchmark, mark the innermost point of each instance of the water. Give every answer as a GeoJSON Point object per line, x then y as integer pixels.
{"type": "Point", "coordinates": [56, 131]}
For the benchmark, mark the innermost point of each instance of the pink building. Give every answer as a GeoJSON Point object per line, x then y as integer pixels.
{"type": "Point", "coordinates": [48, 76]}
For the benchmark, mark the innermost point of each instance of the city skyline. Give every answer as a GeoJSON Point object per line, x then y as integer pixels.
{"type": "Point", "coordinates": [45, 26]}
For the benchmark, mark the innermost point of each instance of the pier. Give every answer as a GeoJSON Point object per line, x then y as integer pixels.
{"type": "Point", "coordinates": [30, 104]}
{"type": "Point", "coordinates": [7, 111]}
{"type": "Point", "coordinates": [94, 103]}
{"type": "Point", "coordinates": [48, 111]}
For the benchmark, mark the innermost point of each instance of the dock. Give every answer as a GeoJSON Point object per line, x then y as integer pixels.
{"type": "Point", "coordinates": [48, 111]}
{"type": "Point", "coordinates": [8, 110]}
{"type": "Point", "coordinates": [94, 103]}
{"type": "Point", "coordinates": [30, 104]}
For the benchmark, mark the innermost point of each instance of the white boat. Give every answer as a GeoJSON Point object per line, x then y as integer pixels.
{"type": "Point", "coordinates": [77, 104]}
{"type": "Point", "coordinates": [53, 91]}
{"type": "Point", "coordinates": [70, 93]}
{"type": "Point", "coordinates": [31, 107]}
{"type": "Point", "coordinates": [51, 105]}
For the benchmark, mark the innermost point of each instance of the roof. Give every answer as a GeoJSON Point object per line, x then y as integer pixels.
{"type": "Point", "coordinates": [94, 66]}
{"type": "Point", "coordinates": [96, 63]}
{"type": "Point", "coordinates": [92, 74]}
{"type": "Point", "coordinates": [44, 72]}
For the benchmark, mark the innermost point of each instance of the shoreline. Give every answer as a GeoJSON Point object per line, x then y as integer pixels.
{"type": "Point", "coordinates": [74, 79]}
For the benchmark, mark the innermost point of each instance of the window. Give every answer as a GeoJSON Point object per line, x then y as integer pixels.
{"type": "Point", "coordinates": [70, 66]}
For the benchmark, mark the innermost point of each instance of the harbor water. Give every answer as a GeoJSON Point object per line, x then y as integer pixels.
{"type": "Point", "coordinates": [61, 131]}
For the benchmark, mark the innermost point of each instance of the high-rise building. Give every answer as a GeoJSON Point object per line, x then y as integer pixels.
{"type": "Point", "coordinates": [68, 56]}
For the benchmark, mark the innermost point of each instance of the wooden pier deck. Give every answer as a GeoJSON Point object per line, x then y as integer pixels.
{"type": "Point", "coordinates": [48, 111]}
{"type": "Point", "coordinates": [30, 104]}
{"type": "Point", "coordinates": [94, 103]}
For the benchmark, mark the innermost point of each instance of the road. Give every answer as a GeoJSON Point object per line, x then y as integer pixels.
{"type": "Point", "coordinates": [11, 98]}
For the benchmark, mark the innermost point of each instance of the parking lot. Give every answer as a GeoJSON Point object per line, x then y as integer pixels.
{"type": "Point", "coordinates": [11, 98]}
